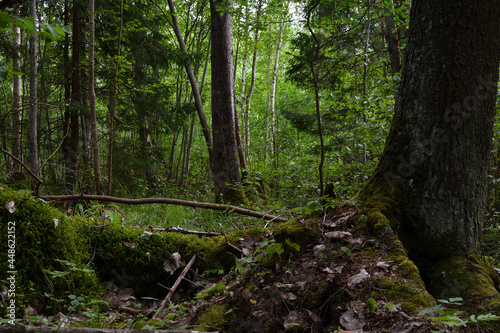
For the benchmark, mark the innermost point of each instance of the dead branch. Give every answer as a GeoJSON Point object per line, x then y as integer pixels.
{"type": "Point", "coordinates": [35, 177]}
{"type": "Point", "coordinates": [176, 284]}
{"type": "Point", "coordinates": [145, 201]}
{"type": "Point", "coordinates": [188, 232]}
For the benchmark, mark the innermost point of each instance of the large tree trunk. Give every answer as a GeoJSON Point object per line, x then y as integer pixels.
{"type": "Point", "coordinates": [225, 171]}
{"type": "Point", "coordinates": [435, 162]}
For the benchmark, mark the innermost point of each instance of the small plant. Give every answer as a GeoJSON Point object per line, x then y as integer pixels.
{"type": "Point", "coordinates": [452, 317]}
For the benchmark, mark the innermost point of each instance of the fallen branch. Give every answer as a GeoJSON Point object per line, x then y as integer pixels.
{"type": "Point", "coordinates": [145, 201]}
{"type": "Point", "coordinates": [188, 232]}
{"type": "Point", "coordinates": [176, 284]}
{"type": "Point", "coordinates": [35, 177]}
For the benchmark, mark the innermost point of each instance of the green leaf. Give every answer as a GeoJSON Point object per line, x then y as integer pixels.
{"type": "Point", "coordinates": [346, 250]}
{"type": "Point", "coordinates": [372, 304]}
{"type": "Point", "coordinates": [25, 23]}
{"type": "Point", "coordinates": [294, 245]}
{"type": "Point", "coordinates": [5, 19]}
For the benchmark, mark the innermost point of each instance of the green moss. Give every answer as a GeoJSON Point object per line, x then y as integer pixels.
{"type": "Point", "coordinates": [462, 276]}
{"type": "Point", "coordinates": [45, 241]}
{"type": "Point", "coordinates": [295, 233]}
{"type": "Point", "coordinates": [411, 296]}
{"type": "Point", "coordinates": [213, 317]}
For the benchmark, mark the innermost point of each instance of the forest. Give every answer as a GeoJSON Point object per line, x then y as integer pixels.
{"type": "Point", "coordinates": [249, 166]}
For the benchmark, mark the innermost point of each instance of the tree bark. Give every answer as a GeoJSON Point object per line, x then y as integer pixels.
{"type": "Point", "coordinates": [435, 162]}
{"type": "Point", "coordinates": [225, 171]}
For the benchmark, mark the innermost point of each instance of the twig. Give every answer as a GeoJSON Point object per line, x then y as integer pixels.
{"type": "Point", "coordinates": [176, 284]}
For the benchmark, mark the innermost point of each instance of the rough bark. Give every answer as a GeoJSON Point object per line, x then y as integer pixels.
{"type": "Point", "coordinates": [435, 162]}
{"type": "Point", "coordinates": [225, 171]}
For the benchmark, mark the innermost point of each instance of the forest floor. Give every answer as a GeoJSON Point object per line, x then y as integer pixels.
{"type": "Point", "coordinates": [338, 283]}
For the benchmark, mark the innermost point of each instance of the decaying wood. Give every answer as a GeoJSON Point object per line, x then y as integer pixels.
{"type": "Point", "coordinates": [36, 329]}
{"type": "Point", "coordinates": [176, 284]}
{"type": "Point", "coordinates": [145, 201]}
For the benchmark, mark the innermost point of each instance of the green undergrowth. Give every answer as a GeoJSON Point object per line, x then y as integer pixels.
{"type": "Point", "coordinates": [50, 256]}
{"type": "Point", "coordinates": [57, 256]}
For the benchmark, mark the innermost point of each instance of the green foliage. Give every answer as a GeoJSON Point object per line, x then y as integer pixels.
{"type": "Point", "coordinates": [450, 317]}
{"type": "Point", "coordinates": [372, 304]}
{"type": "Point", "coordinates": [51, 256]}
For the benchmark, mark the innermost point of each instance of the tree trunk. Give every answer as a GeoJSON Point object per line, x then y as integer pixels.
{"type": "Point", "coordinates": [225, 171]}
{"type": "Point", "coordinates": [192, 80]}
{"type": "Point", "coordinates": [315, 74]}
{"type": "Point", "coordinates": [392, 39]}
{"type": "Point", "coordinates": [71, 113]}
{"type": "Point", "coordinates": [17, 90]}
{"type": "Point", "coordinates": [246, 111]}
{"type": "Point", "coordinates": [93, 115]}
{"type": "Point", "coordinates": [435, 162]}
{"type": "Point", "coordinates": [33, 131]}
{"type": "Point", "coordinates": [272, 102]}
{"type": "Point", "coordinates": [112, 107]}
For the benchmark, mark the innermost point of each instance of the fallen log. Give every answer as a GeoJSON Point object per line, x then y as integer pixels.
{"type": "Point", "coordinates": [145, 201]}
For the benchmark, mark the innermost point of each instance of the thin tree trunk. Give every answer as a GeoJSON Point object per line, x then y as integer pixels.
{"type": "Point", "coordinates": [33, 121]}
{"type": "Point", "coordinates": [17, 90]}
{"type": "Point", "coordinates": [273, 88]}
{"type": "Point", "coordinates": [73, 93]}
{"type": "Point", "coordinates": [113, 104]}
{"type": "Point", "coordinates": [314, 72]}
{"type": "Point", "coordinates": [246, 113]}
{"type": "Point", "coordinates": [93, 115]}
{"type": "Point", "coordinates": [192, 81]}
{"type": "Point", "coordinates": [392, 38]}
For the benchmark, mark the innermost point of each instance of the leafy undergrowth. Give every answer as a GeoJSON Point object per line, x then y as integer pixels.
{"type": "Point", "coordinates": [325, 274]}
